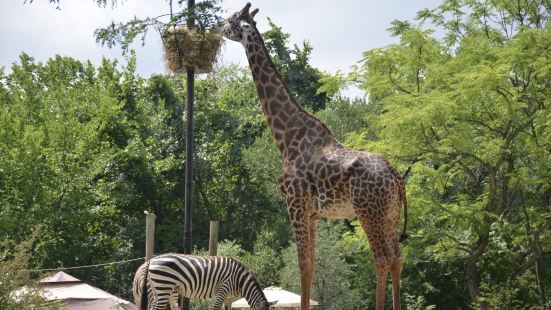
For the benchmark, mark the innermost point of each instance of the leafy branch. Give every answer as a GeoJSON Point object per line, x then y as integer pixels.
{"type": "Point", "coordinates": [124, 34]}
{"type": "Point", "coordinates": [203, 16]}
{"type": "Point", "coordinates": [101, 3]}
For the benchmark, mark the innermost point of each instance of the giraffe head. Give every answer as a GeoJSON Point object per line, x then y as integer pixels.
{"type": "Point", "coordinates": [239, 24]}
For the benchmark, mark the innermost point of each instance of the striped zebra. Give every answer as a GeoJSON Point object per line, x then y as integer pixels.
{"type": "Point", "coordinates": [159, 282]}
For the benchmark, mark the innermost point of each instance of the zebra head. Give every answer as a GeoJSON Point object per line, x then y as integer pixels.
{"type": "Point", "coordinates": [263, 305]}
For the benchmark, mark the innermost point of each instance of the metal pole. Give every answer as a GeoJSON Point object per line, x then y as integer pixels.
{"type": "Point", "coordinates": [189, 151]}
{"type": "Point", "coordinates": [149, 235]}
{"type": "Point", "coordinates": [189, 163]}
{"type": "Point", "coordinates": [189, 170]}
{"type": "Point", "coordinates": [213, 238]}
{"type": "Point", "coordinates": [189, 146]}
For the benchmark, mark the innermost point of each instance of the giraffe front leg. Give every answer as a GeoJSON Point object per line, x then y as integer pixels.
{"type": "Point", "coordinates": [314, 221]}
{"type": "Point", "coordinates": [305, 248]}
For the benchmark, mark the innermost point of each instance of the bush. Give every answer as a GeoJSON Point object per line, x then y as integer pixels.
{"type": "Point", "coordinates": [14, 263]}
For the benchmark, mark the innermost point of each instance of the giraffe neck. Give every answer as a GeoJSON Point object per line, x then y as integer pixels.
{"type": "Point", "coordinates": [289, 124]}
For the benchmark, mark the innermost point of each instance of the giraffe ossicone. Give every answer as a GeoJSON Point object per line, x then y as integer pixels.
{"type": "Point", "coordinates": [321, 178]}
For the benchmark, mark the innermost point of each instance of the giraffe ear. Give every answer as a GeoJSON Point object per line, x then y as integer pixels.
{"type": "Point", "coordinates": [253, 13]}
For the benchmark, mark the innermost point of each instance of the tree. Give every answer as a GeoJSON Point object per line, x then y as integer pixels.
{"type": "Point", "coordinates": [84, 151]}
{"type": "Point", "coordinates": [64, 124]}
{"type": "Point", "coordinates": [470, 115]}
{"type": "Point", "coordinates": [293, 64]}
{"type": "Point", "coordinates": [202, 15]}
{"type": "Point", "coordinates": [101, 3]}
{"type": "Point", "coordinates": [14, 258]}
{"type": "Point", "coordinates": [346, 117]}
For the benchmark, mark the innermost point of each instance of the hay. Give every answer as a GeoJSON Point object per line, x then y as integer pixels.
{"type": "Point", "coordinates": [187, 48]}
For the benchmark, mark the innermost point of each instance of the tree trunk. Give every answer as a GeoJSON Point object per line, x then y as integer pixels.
{"type": "Point", "coordinates": [535, 245]}
{"type": "Point", "coordinates": [541, 289]}
{"type": "Point", "coordinates": [480, 246]}
{"type": "Point", "coordinates": [472, 273]}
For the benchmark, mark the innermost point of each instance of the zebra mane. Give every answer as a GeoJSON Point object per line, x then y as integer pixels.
{"type": "Point", "coordinates": [252, 291]}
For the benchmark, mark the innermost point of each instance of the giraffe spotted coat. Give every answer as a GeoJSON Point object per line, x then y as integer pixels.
{"type": "Point", "coordinates": [321, 177]}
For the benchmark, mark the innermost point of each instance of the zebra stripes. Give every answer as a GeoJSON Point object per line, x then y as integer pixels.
{"type": "Point", "coordinates": [168, 276]}
{"type": "Point", "coordinates": [141, 284]}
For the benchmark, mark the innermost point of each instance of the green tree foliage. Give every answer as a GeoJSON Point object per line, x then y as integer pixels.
{"type": "Point", "coordinates": [228, 121]}
{"type": "Point", "coordinates": [84, 151]}
{"type": "Point", "coordinates": [470, 116]}
{"type": "Point", "coordinates": [294, 66]}
{"type": "Point", "coordinates": [202, 15]}
{"type": "Point", "coordinates": [347, 117]}
{"type": "Point", "coordinates": [265, 260]}
{"type": "Point", "coordinates": [67, 134]}
{"type": "Point", "coordinates": [101, 3]}
{"type": "Point", "coordinates": [331, 285]}
{"type": "Point", "coordinates": [14, 259]}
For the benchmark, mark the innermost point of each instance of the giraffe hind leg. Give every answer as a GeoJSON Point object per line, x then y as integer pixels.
{"type": "Point", "coordinates": [395, 269]}
{"type": "Point", "coordinates": [386, 251]}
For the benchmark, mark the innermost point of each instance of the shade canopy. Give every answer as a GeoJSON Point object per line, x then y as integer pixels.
{"type": "Point", "coordinates": [60, 277]}
{"type": "Point", "coordinates": [98, 304]}
{"type": "Point", "coordinates": [284, 298]}
{"type": "Point", "coordinates": [77, 294]}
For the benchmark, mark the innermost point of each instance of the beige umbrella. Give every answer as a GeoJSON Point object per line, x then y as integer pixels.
{"type": "Point", "coordinates": [76, 294]}
{"type": "Point", "coordinates": [284, 299]}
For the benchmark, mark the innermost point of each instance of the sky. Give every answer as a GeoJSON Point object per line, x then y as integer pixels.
{"type": "Point", "coordinates": [338, 31]}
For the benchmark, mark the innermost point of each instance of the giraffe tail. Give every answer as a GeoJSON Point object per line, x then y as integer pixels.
{"type": "Point", "coordinates": [404, 235]}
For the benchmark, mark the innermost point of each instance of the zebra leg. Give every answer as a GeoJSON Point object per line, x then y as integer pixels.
{"type": "Point", "coordinates": [162, 298]}
{"type": "Point", "coordinates": [173, 300]}
{"type": "Point", "coordinates": [220, 298]}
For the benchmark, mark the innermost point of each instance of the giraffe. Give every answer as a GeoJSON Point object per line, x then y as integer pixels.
{"type": "Point", "coordinates": [321, 178]}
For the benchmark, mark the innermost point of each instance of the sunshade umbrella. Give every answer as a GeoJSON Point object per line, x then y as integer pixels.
{"type": "Point", "coordinates": [284, 299]}
{"type": "Point", "coordinates": [77, 294]}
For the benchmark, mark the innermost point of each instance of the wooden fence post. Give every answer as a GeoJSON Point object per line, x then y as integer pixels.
{"type": "Point", "coordinates": [149, 234]}
{"type": "Point", "coordinates": [213, 238]}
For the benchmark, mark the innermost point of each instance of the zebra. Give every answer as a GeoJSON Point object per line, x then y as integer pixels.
{"type": "Point", "coordinates": [159, 282]}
